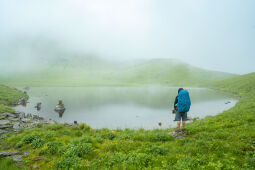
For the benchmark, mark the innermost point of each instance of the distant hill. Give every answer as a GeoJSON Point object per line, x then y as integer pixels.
{"type": "Point", "coordinates": [95, 71]}
{"type": "Point", "coordinates": [172, 72]}
{"type": "Point", "coordinates": [239, 84]}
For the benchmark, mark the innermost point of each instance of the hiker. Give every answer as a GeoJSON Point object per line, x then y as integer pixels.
{"type": "Point", "coordinates": [181, 106]}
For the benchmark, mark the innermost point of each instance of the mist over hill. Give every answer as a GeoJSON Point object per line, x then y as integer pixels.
{"type": "Point", "coordinates": [92, 70]}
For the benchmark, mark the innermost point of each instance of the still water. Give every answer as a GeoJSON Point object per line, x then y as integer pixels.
{"type": "Point", "coordinates": [123, 107]}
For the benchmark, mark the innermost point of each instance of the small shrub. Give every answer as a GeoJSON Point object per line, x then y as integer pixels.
{"type": "Point", "coordinates": [69, 163]}
{"type": "Point", "coordinates": [80, 150]}
{"type": "Point", "coordinates": [53, 147]}
{"type": "Point", "coordinates": [29, 138]}
{"type": "Point", "coordinates": [55, 127]}
{"type": "Point", "coordinates": [99, 139]}
{"type": "Point", "coordinates": [117, 158]}
{"type": "Point", "coordinates": [84, 127]}
{"type": "Point", "coordinates": [139, 159]}
{"type": "Point", "coordinates": [39, 125]}
{"type": "Point", "coordinates": [19, 144]}
{"type": "Point", "coordinates": [161, 137]}
{"type": "Point", "coordinates": [158, 150]}
{"type": "Point", "coordinates": [49, 135]}
{"type": "Point", "coordinates": [78, 133]}
{"type": "Point", "coordinates": [186, 163]}
{"type": "Point", "coordinates": [37, 143]}
{"type": "Point", "coordinates": [86, 139]}
{"type": "Point", "coordinates": [109, 135]}
{"type": "Point", "coordinates": [66, 132]}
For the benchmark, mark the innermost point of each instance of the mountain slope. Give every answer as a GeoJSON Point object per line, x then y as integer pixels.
{"type": "Point", "coordinates": [239, 85]}
{"type": "Point", "coordinates": [171, 72]}
{"type": "Point", "coordinates": [94, 71]}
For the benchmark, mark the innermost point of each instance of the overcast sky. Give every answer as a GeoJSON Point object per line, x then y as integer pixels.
{"type": "Point", "coordinates": [213, 34]}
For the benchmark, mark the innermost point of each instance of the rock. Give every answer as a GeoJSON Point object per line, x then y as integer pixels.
{"type": "Point", "coordinates": [9, 153]}
{"type": "Point", "coordinates": [52, 122]}
{"type": "Point", "coordinates": [29, 116]}
{"type": "Point", "coordinates": [39, 158]}
{"type": "Point", "coordinates": [159, 123]}
{"type": "Point", "coordinates": [17, 158]}
{"type": "Point", "coordinates": [68, 124]}
{"type": "Point", "coordinates": [35, 117]}
{"type": "Point", "coordinates": [22, 101]}
{"type": "Point", "coordinates": [178, 135]}
{"type": "Point", "coordinates": [16, 126]}
{"type": "Point", "coordinates": [3, 122]}
{"type": "Point", "coordinates": [5, 127]}
{"type": "Point", "coordinates": [11, 115]}
{"type": "Point", "coordinates": [60, 107]}
{"type": "Point", "coordinates": [36, 166]}
{"type": "Point", "coordinates": [13, 119]}
{"type": "Point", "coordinates": [38, 106]}
{"type": "Point", "coordinates": [3, 131]}
{"type": "Point", "coordinates": [3, 116]}
{"type": "Point", "coordinates": [25, 120]}
{"type": "Point", "coordinates": [22, 115]}
{"type": "Point", "coordinates": [17, 112]}
{"type": "Point", "coordinates": [27, 153]}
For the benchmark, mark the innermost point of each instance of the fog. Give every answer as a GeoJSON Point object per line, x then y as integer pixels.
{"type": "Point", "coordinates": [212, 34]}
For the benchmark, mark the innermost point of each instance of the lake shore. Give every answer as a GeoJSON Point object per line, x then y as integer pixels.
{"type": "Point", "coordinates": [231, 132]}
{"type": "Point", "coordinates": [123, 107]}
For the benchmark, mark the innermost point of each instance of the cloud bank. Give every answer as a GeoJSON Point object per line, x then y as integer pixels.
{"type": "Point", "coordinates": [210, 34]}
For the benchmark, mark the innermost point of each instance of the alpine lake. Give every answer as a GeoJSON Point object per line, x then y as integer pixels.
{"type": "Point", "coordinates": [123, 107]}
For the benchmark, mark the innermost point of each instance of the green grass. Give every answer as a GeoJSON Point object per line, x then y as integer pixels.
{"type": "Point", "coordinates": [9, 96]}
{"type": "Point", "coordinates": [7, 164]}
{"type": "Point", "coordinates": [225, 141]}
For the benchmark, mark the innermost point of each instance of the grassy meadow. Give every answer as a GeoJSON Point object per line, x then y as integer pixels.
{"type": "Point", "coordinates": [225, 141]}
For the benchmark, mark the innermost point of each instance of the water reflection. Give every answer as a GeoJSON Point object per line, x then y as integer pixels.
{"type": "Point", "coordinates": [122, 107]}
{"type": "Point", "coordinates": [60, 113]}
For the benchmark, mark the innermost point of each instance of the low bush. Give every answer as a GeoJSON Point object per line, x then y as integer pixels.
{"type": "Point", "coordinates": [109, 135]}
{"type": "Point", "coordinates": [84, 127]}
{"type": "Point", "coordinates": [53, 147]}
{"type": "Point", "coordinates": [161, 137]}
{"type": "Point", "coordinates": [37, 143]}
{"type": "Point", "coordinates": [69, 163]}
{"type": "Point", "coordinates": [79, 150]}
{"type": "Point", "coordinates": [157, 150]}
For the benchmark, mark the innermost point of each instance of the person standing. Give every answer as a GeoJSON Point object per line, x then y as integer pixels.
{"type": "Point", "coordinates": [182, 105]}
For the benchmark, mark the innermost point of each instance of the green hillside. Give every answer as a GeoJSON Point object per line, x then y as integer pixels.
{"type": "Point", "coordinates": [170, 72]}
{"type": "Point", "coordinates": [9, 96]}
{"type": "Point", "coordinates": [93, 71]}
{"type": "Point", "coordinates": [240, 85]}
{"type": "Point", "coordinates": [225, 141]}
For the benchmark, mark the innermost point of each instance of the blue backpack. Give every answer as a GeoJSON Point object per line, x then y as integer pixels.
{"type": "Point", "coordinates": [183, 101]}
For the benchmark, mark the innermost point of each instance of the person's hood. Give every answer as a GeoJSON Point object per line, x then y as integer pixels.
{"type": "Point", "coordinates": [180, 89]}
